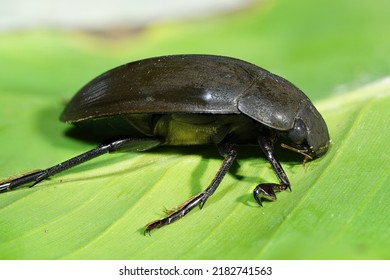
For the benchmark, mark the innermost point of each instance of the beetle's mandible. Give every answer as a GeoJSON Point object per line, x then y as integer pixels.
{"type": "Point", "coordinates": [192, 100]}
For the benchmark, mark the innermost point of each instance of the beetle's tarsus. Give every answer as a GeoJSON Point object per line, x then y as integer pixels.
{"type": "Point", "coordinates": [148, 230]}
{"type": "Point", "coordinates": [268, 191]}
{"type": "Point", "coordinates": [201, 198]}
{"type": "Point", "coordinates": [5, 187]}
{"type": "Point", "coordinates": [179, 212]}
{"type": "Point", "coordinates": [202, 203]}
{"type": "Point", "coordinates": [21, 180]}
{"type": "Point", "coordinates": [38, 176]}
{"type": "Point", "coordinates": [263, 190]}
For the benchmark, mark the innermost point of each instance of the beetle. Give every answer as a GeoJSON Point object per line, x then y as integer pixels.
{"type": "Point", "coordinates": [192, 100]}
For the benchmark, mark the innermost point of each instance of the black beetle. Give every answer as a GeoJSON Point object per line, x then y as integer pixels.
{"type": "Point", "coordinates": [192, 100]}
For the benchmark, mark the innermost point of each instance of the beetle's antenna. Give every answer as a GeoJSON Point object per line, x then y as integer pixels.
{"type": "Point", "coordinates": [302, 152]}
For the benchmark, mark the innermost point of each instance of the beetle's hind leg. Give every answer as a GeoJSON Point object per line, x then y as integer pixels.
{"type": "Point", "coordinates": [230, 153]}
{"type": "Point", "coordinates": [267, 190]}
{"type": "Point", "coordinates": [128, 144]}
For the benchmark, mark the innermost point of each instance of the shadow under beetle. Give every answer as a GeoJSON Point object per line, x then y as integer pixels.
{"type": "Point", "coordinates": [192, 100]}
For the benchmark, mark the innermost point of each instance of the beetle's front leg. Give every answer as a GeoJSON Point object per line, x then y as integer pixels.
{"type": "Point", "coordinates": [266, 142]}
{"type": "Point", "coordinates": [230, 153]}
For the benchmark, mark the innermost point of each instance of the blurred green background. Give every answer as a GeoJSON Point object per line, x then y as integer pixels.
{"type": "Point", "coordinates": [335, 51]}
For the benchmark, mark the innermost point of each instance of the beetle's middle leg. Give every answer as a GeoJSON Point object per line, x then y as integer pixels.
{"type": "Point", "coordinates": [230, 153]}
{"type": "Point", "coordinates": [266, 142]}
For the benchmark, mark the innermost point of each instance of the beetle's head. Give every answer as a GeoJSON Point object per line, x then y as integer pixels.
{"type": "Point", "coordinates": [309, 135]}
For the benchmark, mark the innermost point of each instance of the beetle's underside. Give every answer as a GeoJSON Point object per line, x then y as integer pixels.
{"type": "Point", "coordinates": [172, 129]}
{"type": "Point", "coordinates": [226, 131]}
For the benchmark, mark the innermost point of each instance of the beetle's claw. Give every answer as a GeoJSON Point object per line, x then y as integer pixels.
{"type": "Point", "coordinates": [267, 191]}
{"type": "Point", "coordinates": [264, 191]}
{"type": "Point", "coordinates": [149, 227]}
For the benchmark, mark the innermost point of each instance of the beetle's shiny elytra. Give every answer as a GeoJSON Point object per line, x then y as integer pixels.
{"type": "Point", "coordinates": [192, 100]}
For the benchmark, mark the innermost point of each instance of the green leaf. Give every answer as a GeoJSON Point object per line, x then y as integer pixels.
{"type": "Point", "coordinates": [338, 207]}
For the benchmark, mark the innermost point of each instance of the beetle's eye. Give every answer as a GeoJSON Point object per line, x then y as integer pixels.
{"type": "Point", "coordinates": [298, 133]}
